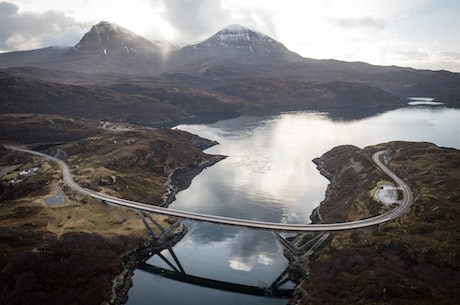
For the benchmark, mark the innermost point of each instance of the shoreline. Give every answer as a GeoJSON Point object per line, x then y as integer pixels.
{"type": "Point", "coordinates": [360, 265]}
{"type": "Point", "coordinates": [297, 269]}
{"type": "Point", "coordinates": [346, 250]}
{"type": "Point", "coordinates": [180, 179]}
{"type": "Point", "coordinates": [131, 259]}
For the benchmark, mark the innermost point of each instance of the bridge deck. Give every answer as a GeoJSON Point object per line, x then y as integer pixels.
{"type": "Point", "coordinates": [398, 211]}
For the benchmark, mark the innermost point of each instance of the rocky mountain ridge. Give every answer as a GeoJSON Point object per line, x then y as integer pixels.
{"type": "Point", "coordinates": [107, 39]}
{"type": "Point", "coordinates": [238, 44]}
{"type": "Point", "coordinates": [236, 69]}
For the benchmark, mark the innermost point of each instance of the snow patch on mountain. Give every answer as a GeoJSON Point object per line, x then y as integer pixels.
{"type": "Point", "coordinates": [236, 36]}
{"type": "Point", "coordinates": [237, 43]}
{"type": "Point", "coordinates": [236, 32]}
{"type": "Point", "coordinates": [109, 38]}
{"type": "Point", "coordinates": [107, 29]}
{"type": "Point", "coordinates": [235, 28]}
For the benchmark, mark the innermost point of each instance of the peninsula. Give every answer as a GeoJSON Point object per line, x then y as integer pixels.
{"type": "Point", "coordinates": [412, 260]}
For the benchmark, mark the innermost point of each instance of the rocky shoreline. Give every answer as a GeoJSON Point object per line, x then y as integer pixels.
{"type": "Point", "coordinates": [131, 259]}
{"type": "Point", "coordinates": [297, 269]}
{"type": "Point", "coordinates": [411, 260]}
{"type": "Point", "coordinates": [178, 180]}
{"type": "Point", "coordinates": [181, 178]}
{"type": "Point", "coordinates": [330, 165]}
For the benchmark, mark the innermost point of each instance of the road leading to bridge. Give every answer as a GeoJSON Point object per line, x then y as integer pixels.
{"type": "Point", "coordinates": [395, 213]}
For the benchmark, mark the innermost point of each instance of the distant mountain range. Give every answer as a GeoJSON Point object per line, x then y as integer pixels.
{"type": "Point", "coordinates": [235, 70]}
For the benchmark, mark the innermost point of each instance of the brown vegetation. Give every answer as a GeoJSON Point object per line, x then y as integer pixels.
{"type": "Point", "coordinates": [134, 164]}
{"type": "Point", "coordinates": [296, 93]}
{"type": "Point", "coordinates": [141, 102]}
{"type": "Point", "coordinates": [351, 171]}
{"type": "Point", "coordinates": [414, 260]}
{"type": "Point", "coordinates": [76, 268]}
{"type": "Point", "coordinates": [34, 128]}
{"type": "Point", "coordinates": [70, 253]}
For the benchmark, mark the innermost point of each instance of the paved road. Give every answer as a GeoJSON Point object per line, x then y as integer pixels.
{"type": "Point", "coordinates": [398, 211]}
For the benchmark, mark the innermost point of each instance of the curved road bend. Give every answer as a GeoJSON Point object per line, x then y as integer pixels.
{"type": "Point", "coordinates": [398, 211]}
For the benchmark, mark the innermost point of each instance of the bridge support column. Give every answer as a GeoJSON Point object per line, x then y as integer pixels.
{"type": "Point", "coordinates": [304, 250]}
{"type": "Point", "coordinates": [179, 267]}
{"type": "Point", "coordinates": [176, 260]}
{"type": "Point", "coordinates": [282, 279]}
{"type": "Point", "coordinates": [144, 216]}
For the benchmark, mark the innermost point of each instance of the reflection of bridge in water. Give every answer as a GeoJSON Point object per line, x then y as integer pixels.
{"type": "Point", "coordinates": [177, 273]}
{"type": "Point", "coordinates": [299, 248]}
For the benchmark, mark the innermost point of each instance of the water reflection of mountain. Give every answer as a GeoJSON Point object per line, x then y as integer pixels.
{"type": "Point", "coordinates": [342, 113]}
{"type": "Point", "coordinates": [271, 155]}
{"type": "Point", "coordinates": [352, 113]}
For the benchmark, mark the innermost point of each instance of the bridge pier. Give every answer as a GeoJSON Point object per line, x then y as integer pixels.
{"type": "Point", "coordinates": [282, 279]}
{"type": "Point", "coordinates": [305, 250]}
{"type": "Point", "coordinates": [149, 229]}
{"type": "Point", "coordinates": [298, 252]}
{"type": "Point", "coordinates": [176, 260]}
{"type": "Point", "coordinates": [163, 232]}
{"type": "Point", "coordinates": [179, 267]}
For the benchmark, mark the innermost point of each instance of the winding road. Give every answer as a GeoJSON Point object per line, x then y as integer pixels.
{"type": "Point", "coordinates": [395, 213]}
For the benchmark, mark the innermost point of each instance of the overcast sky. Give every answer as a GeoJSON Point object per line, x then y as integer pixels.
{"type": "Point", "coordinates": [415, 33]}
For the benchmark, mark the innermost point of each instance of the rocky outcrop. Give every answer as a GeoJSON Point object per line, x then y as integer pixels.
{"type": "Point", "coordinates": [315, 216]}
{"type": "Point", "coordinates": [320, 167]}
{"type": "Point", "coordinates": [107, 39]}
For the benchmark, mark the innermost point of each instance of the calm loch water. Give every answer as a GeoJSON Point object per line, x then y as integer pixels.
{"type": "Point", "coordinates": [268, 176]}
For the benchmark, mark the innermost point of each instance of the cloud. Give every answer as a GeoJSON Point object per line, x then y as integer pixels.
{"type": "Point", "coordinates": [422, 58]}
{"type": "Point", "coordinates": [455, 56]}
{"type": "Point", "coordinates": [192, 19]}
{"type": "Point", "coordinates": [411, 55]}
{"type": "Point", "coordinates": [358, 23]}
{"type": "Point", "coordinates": [27, 30]}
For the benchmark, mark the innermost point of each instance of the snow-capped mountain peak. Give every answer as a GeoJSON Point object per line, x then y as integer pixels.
{"type": "Point", "coordinates": [107, 39]}
{"type": "Point", "coordinates": [235, 44]}
{"type": "Point", "coordinates": [239, 33]}
{"type": "Point", "coordinates": [106, 27]}
{"type": "Point", "coordinates": [236, 28]}
{"type": "Point", "coordinates": [238, 43]}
